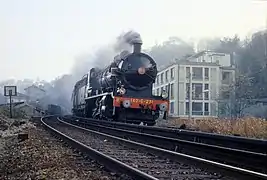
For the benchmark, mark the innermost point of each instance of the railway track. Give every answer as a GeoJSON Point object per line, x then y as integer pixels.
{"type": "Point", "coordinates": [143, 161]}
{"type": "Point", "coordinates": [236, 142]}
{"type": "Point", "coordinates": [254, 161]}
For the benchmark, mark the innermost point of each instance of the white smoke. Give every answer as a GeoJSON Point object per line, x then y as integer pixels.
{"type": "Point", "coordinates": [126, 40]}
{"type": "Point", "coordinates": [104, 55]}
{"type": "Point", "coordinates": [99, 59]}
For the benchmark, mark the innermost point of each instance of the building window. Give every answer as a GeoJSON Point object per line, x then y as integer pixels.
{"type": "Point", "coordinates": [187, 72]}
{"type": "Point", "coordinates": [172, 107]}
{"type": "Point", "coordinates": [216, 59]}
{"type": "Point", "coordinates": [206, 92]}
{"type": "Point", "coordinates": [158, 92]}
{"type": "Point", "coordinates": [172, 73]}
{"type": "Point", "coordinates": [206, 74]}
{"type": "Point", "coordinates": [161, 78]}
{"type": "Point", "coordinates": [157, 79]}
{"type": "Point", "coordinates": [172, 91]}
{"type": "Point", "coordinates": [187, 108]}
{"type": "Point", "coordinates": [197, 91]}
{"type": "Point", "coordinates": [197, 73]}
{"type": "Point", "coordinates": [197, 108]}
{"type": "Point", "coordinates": [166, 88]}
{"type": "Point", "coordinates": [161, 90]}
{"type": "Point", "coordinates": [167, 76]}
{"type": "Point", "coordinates": [187, 90]}
{"type": "Point", "coordinates": [206, 109]}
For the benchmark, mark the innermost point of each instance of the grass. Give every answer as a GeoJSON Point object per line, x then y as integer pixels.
{"type": "Point", "coordinates": [17, 114]}
{"type": "Point", "coordinates": [248, 126]}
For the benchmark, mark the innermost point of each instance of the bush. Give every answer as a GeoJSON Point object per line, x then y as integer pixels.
{"type": "Point", "coordinates": [17, 114]}
{"type": "Point", "coordinates": [248, 126]}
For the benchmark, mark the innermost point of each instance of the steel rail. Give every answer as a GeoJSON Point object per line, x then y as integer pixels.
{"type": "Point", "coordinates": [109, 162]}
{"type": "Point", "coordinates": [245, 159]}
{"type": "Point", "coordinates": [236, 142]}
{"type": "Point", "coordinates": [201, 162]}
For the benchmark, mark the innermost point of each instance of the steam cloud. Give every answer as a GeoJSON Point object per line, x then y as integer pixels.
{"type": "Point", "coordinates": [59, 91]}
{"type": "Point", "coordinates": [101, 58]}
{"type": "Point", "coordinates": [104, 55]}
{"type": "Point", "coordinates": [126, 40]}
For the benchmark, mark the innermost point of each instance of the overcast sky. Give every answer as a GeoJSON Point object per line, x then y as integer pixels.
{"type": "Point", "coordinates": [41, 38]}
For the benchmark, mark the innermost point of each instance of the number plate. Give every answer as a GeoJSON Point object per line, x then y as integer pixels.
{"type": "Point", "coordinates": [141, 101]}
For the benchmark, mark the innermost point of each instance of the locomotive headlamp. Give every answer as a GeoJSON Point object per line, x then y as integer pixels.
{"type": "Point", "coordinates": [163, 106]}
{"type": "Point", "coordinates": [122, 91]}
{"type": "Point", "coordinates": [141, 70]}
{"type": "Point", "coordinates": [164, 95]}
{"type": "Point", "coordinates": [126, 103]}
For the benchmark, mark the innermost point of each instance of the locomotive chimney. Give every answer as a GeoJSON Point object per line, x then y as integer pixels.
{"type": "Point", "coordinates": [137, 47]}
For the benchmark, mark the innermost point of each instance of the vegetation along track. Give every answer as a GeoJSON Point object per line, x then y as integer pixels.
{"type": "Point", "coordinates": [256, 161]}
{"type": "Point", "coordinates": [143, 161]}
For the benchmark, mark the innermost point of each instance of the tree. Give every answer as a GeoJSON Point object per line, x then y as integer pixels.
{"type": "Point", "coordinates": [229, 45]}
{"type": "Point", "coordinates": [236, 98]}
{"type": "Point", "coordinates": [173, 48]}
{"type": "Point", "coordinates": [252, 63]}
{"type": "Point", "coordinates": [208, 44]}
{"type": "Point", "coordinates": [2, 99]}
{"type": "Point", "coordinates": [251, 82]}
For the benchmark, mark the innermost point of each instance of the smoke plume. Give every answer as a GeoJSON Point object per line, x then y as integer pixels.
{"type": "Point", "coordinates": [126, 40]}
{"type": "Point", "coordinates": [59, 91]}
{"type": "Point", "coordinates": [102, 57]}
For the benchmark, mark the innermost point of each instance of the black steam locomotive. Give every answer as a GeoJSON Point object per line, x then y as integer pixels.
{"type": "Point", "coordinates": [122, 91]}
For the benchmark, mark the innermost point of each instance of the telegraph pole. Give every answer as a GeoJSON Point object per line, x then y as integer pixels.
{"type": "Point", "coordinates": [10, 102]}
{"type": "Point", "coordinates": [190, 97]}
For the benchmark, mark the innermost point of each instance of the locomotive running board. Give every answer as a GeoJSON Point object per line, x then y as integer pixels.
{"type": "Point", "coordinates": [99, 95]}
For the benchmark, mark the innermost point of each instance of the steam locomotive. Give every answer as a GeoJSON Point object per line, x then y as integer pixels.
{"type": "Point", "coordinates": [122, 91]}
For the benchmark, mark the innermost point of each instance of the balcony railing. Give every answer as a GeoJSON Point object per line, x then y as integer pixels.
{"type": "Point", "coordinates": [198, 97]}
{"type": "Point", "coordinates": [195, 113]}
{"type": "Point", "coordinates": [197, 77]}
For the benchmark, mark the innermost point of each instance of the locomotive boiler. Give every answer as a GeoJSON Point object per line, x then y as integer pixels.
{"type": "Point", "coordinates": [122, 91]}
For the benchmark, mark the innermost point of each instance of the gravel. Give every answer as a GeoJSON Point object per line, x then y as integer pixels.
{"type": "Point", "coordinates": [156, 166]}
{"type": "Point", "coordinates": [44, 157]}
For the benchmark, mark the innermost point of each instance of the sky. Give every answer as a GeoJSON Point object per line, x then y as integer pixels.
{"type": "Point", "coordinates": [42, 38]}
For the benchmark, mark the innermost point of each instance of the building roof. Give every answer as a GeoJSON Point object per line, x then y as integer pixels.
{"type": "Point", "coordinates": [206, 51]}
{"type": "Point", "coordinates": [198, 54]}
{"type": "Point", "coordinates": [227, 68]}
{"type": "Point", "coordinates": [190, 63]}
{"type": "Point", "coordinates": [21, 95]}
{"type": "Point", "coordinates": [34, 86]}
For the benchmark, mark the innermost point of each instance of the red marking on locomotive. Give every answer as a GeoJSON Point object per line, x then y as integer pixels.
{"type": "Point", "coordinates": [136, 102]}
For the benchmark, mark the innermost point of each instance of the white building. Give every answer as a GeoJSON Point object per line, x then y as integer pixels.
{"type": "Point", "coordinates": [206, 72]}
{"type": "Point", "coordinates": [34, 93]}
